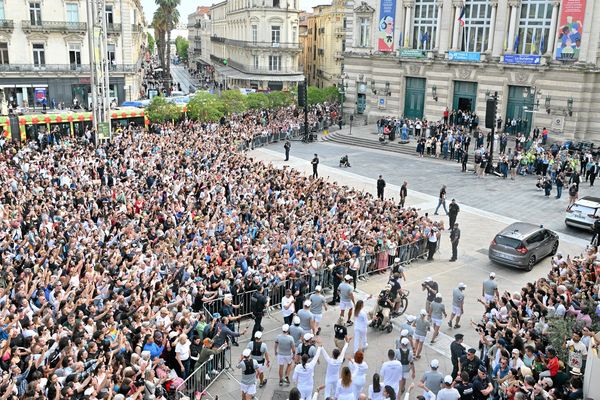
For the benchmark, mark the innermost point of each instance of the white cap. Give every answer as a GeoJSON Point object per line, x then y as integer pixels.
{"type": "Point", "coordinates": [404, 332]}
{"type": "Point", "coordinates": [448, 380]}
{"type": "Point", "coordinates": [411, 318]}
{"type": "Point", "coordinates": [246, 352]}
{"type": "Point", "coordinates": [285, 327]}
{"type": "Point", "coordinates": [438, 296]}
{"type": "Point", "coordinates": [318, 288]}
{"type": "Point", "coordinates": [388, 286]}
{"type": "Point", "coordinates": [258, 334]}
{"type": "Point", "coordinates": [462, 286]}
{"type": "Point", "coordinates": [396, 260]}
{"type": "Point", "coordinates": [347, 278]}
{"type": "Point", "coordinates": [492, 274]}
{"type": "Point", "coordinates": [307, 303]}
{"type": "Point", "coordinates": [428, 279]}
{"type": "Point", "coordinates": [434, 363]}
{"type": "Point", "coordinates": [404, 341]}
{"type": "Point", "coordinates": [296, 320]}
{"type": "Point", "coordinates": [423, 311]}
{"type": "Point", "coordinates": [308, 336]}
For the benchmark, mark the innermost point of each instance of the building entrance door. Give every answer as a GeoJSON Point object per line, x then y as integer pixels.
{"type": "Point", "coordinates": [414, 98]}
{"type": "Point", "coordinates": [465, 96]}
{"type": "Point", "coordinates": [520, 108]}
{"type": "Point", "coordinates": [361, 103]}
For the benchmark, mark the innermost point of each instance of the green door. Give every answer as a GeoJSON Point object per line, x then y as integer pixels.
{"type": "Point", "coordinates": [519, 107]}
{"type": "Point", "coordinates": [361, 103]}
{"type": "Point", "coordinates": [465, 96]}
{"type": "Point", "coordinates": [414, 98]}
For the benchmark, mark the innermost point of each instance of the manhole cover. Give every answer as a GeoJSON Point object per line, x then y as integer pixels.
{"type": "Point", "coordinates": [281, 394]}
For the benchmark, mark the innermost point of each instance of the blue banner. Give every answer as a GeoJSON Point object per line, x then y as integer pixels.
{"type": "Point", "coordinates": [530, 59]}
{"type": "Point", "coordinates": [385, 33]}
{"type": "Point", "coordinates": [464, 56]}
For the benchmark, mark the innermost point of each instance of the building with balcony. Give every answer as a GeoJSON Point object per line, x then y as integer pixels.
{"type": "Point", "coordinates": [325, 44]}
{"type": "Point", "coordinates": [415, 58]}
{"type": "Point", "coordinates": [303, 40]}
{"type": "Point", "coordinates": [44, 56]}
{"type": "Point", "coordinates": [199, 38]}
{"type": "Point", "coordinates": [254, 43]}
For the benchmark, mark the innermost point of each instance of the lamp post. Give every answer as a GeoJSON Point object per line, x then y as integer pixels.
{"type": "Point", "coordinates": [490, 163]}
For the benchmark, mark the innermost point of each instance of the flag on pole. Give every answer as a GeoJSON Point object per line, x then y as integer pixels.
{"type": "Point", "coordinates": [533, 43]}
{"type": "Point", "coordinates": [516, 47]}
{"type": "Point", "coordinates": [425, 38]}
{"type": "Point", "coordinates": [542, 44]}
{"type": "Point", "coordinates": [400, 40]}
{"type": "Point", "coordinates": [460, 20]}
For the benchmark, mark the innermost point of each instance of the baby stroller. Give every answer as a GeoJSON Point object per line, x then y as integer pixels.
{"type": "Point", "coordinates": [344, 161]}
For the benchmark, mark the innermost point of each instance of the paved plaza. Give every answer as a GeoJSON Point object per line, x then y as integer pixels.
{"type": "Point", "coordinates": [487, 206]}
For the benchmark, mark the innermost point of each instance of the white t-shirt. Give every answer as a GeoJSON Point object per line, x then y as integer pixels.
{"type": "Point", "coordinates": [448, 394]}
{"type": "Point", "coordinates": [361, 322]}
{"type": "Point", "coordinates": [284, 302]}
{"type": "Point", "coordinates": [183, 350]}
{"type": "Point", "coordinates": [391, 373]}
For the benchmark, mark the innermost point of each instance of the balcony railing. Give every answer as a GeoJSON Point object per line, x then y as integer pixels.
{"type": "Point", "coordinates": [6, 25]}
{"type": "Point", "coordinates": [113, 28]}
{"type": "Point", "coordinates": [53, 26]}
{"type": "Point", "coordinates": [251, 69]}
{"type": "Point", "coordinates": [74, 68]}
{"type": "Point", "coordinates": [340, 31]}
{"type": "Point", "coordinates": [253, 44]}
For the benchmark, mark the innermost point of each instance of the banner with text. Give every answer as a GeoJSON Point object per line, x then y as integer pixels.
{"type": "Point", "coordinates": [385, 36]}
{"type": "Point", "coordinates": [570, 29]}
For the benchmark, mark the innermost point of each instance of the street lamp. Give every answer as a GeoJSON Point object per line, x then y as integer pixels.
{"type": "Point", "coordinates": [492, 101]}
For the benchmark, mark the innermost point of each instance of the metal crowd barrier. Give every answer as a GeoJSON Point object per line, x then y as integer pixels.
{"type": "Point", "coordinates": [204, 376]}
{"type": "Point", "coordinates": [369, 264]}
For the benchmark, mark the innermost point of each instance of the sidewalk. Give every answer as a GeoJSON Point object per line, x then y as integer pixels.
{"type": "Point", "coordinates": [471, 268]}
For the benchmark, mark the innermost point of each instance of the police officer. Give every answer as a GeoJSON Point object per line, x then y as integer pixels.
{"type": "Point", "coordinates": [338, 277]}
{"type": "Point", "coordinates": [456, 352]}
{"type": "Point", "coordinates": [287, 146]}
{"type": "Point", "coordinates": [315, 164]}
{"type": "Point", "coordinates": [380, 187]}
{"type": "Point", "coordinates": [258, 351]}
{"type": "Point", "coordinates": [259, 303]}
{"type": "Point", "coordinates": [454, 239]}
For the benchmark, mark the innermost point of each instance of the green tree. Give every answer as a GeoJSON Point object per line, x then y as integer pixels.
{"type": "Point", "coordinates": [205, 107]}
{"type": "Point", "coordinates": [279, 99]}
{"type": "Point", "coordinates": [151, 43]}
{"type": "Point", "coordinates": [331, 94]}
{"type": "Point", "coordinates": [257, 101]}
{"type": "Point", "coordinates": [233, 102]}
{"type": "Point", "coordinates": [315, 95]}
{"type": "Point", "coordinates": [160, 110]}
{"type": "Point", "coordinates": [159, 23]}
{"type": "Point", "coordinates": [181, 46]}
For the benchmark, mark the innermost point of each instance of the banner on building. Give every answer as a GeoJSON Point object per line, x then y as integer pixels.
{"type": "Point", "coordinates": [523, 59]}
{"type": "Point", "coordinates": [385, 35]}
{"type": "Point", "coordinates": [411, 53]}
{"type": "Point", "coordinates": [470, 56]}
{"type": "Point", "coordinates": [570, 29]}
{"type": "Point", "coordinates": [41, 96]}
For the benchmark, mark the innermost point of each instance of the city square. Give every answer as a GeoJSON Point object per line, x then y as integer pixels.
{"type": "Point", "coordinates": [374, 200]}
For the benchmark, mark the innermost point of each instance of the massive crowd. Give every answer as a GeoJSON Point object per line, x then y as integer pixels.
{"type": "Point", "coordinates": [108, 255]}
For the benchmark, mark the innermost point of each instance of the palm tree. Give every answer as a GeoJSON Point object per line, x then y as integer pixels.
{"type": "Point", "coordinates": [159, 23]}
{"type": "Point", "coordinates": [169, 9]}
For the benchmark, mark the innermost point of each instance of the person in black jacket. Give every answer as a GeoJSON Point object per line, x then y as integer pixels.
{"type": "Point", "coordinates": [380, 187]}
{"type": "Point", "coordinates": [456, 352]}
{"type": "Point", "coordinates": [453, 212]}
{"type": "Point", "coordinates": [259, 304]}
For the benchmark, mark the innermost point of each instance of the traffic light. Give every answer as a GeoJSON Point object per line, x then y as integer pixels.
{"type": "Point", "coordinates": [302, 94]}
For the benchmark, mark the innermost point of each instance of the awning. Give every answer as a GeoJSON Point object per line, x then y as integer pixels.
{"type": "Point", "coordinates": [233, 73]}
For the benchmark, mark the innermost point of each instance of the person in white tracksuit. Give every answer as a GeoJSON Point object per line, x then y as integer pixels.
{"type": "Point", "coordinates": [359, 369]}
{"type": "Point", "coordinates": [303, 375]}
{"type": "Point", "coordinates": [334, 363]}
{"type": "Point", "coordinates": [361, 324]}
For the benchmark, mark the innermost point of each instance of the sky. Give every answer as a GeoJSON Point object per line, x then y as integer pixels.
{"type": "Point", "coordinates": [189, 6]}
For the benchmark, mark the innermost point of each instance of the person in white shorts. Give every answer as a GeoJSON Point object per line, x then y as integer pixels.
{"type": "Point", "coordinates": [438, 313]}
{"type": "Point", "coordinates": [317, 303]}
{"type": "Point", "coordinates": [458, 302]}
{"type": "Point", "coordinates": [489, 289]}
{"type": "Point", "coordinates": [346, 298]}
{"type": "Point", "coordinates": [422, 326]}
{"type": "Point", "coordinates": [285, 351]}
{"type": "Point", "coordinates": [248, 381]}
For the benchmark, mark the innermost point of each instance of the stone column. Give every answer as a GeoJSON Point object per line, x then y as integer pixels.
{"type": "Point", "coordinates": [438, 31]}
{"type": "Point", "coordinates": [490, 44]}
{"type": "Point", "coordinates": [553, 25]}
{"type": "Point", "coordinates": [456, 26]}
{"type": "Point", "coordinates": [408, 23]}
{"type": "Point", "coordinates": [514, 4]}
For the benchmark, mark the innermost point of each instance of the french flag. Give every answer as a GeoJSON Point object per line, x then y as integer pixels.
{"type": "Point", "coordinates": [460, 20]}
